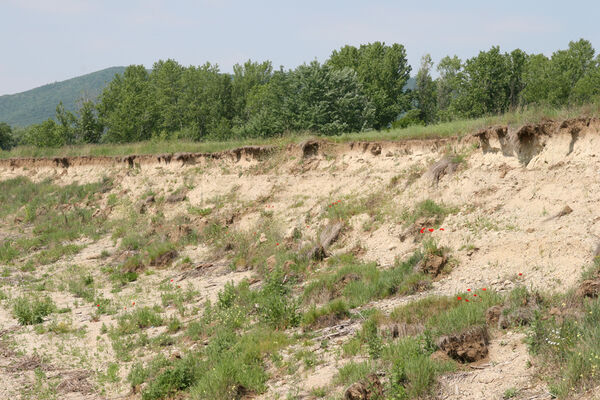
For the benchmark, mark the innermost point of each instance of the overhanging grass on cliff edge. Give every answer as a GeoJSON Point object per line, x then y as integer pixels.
{"type": "Point", "coordinates": [445, 129]}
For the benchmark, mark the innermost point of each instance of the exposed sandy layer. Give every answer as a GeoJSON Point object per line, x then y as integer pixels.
{"type": "Point", "coordinates": [511, 186]}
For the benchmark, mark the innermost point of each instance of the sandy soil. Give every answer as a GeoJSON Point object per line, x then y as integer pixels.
{"type": "Point", "coordinates": [504, 226]}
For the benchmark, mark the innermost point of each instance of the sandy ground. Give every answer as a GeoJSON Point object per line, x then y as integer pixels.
{"type": "Point", "coordinates": [503, 227]}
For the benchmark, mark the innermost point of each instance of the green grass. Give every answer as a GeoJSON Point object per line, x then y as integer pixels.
{"type": "Point", "coordinates": [442, 315]}
{"type": "Point", "coordinates": [355, 283]}
{"type": "Point", "coordinates": [48, 208]}
{"type": "Point", "coordinates": [353, 372]}
{"type": "Point", "coordinates": [412, 372]}
{"type": "Point", "coordinates": [82, 287]}
{"type": "Point", "coordinates": [427, 209]}
{"type": "Point", "coordinates": [140, 318]}
{"type": "Point", "coordinates": [459, 128]}
{"type": "Point", "coordinates": [32, 310]}
{"type": "Point", "coordinates": [568, 348]}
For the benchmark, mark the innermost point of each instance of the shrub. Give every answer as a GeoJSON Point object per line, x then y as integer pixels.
{"type": "Point", "coordinates": [29, 311]}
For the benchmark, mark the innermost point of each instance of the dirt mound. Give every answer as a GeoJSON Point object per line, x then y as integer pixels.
{"type": "Point", "coordinates": [589, 288]}
{"type": "Point", "coordinates": [76, 382]}
{"type": "Point", "coordinates": [468, 346]}
{"type": "Point", "coordinates": [365, 389]}
{"type": "Point", "coordinates": [433, 264]}
{"type": "Point", "coordinates": [445, 166]}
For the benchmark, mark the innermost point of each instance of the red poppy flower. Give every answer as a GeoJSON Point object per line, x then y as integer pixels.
{"type": "Point", "coordinates": [467, 300]}
{"type": "Point", "coordinates": [484, 289]}
{"type": "Point", "coordinates": [459, 298]}
{"type": "Point", "coordinates": [520, 274]}
{"type": "Point", "coordinates": [475, 295]}
{"type": "Point", "coordinates": [468, 290]}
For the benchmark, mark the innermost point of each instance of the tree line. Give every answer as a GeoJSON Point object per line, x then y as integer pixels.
{"type": "Point", "coordinates": [355, 89]}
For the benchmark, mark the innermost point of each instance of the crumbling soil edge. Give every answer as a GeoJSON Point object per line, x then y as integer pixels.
{"type": "Point", "coordinates": [523, 142]}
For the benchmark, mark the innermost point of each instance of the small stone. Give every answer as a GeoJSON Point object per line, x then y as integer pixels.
{"type": "Point", "coordinates": [263, 238]}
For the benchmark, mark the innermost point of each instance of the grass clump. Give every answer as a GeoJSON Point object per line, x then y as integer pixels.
{"type": "Point", "coordinates": [229, 366]}
{"type": "Point", "coordinates": [58, 214]}
{"type": "Point", "coordinates": [30, 310]}
{"type": "Point", "coordinates": [326, 315]}
{"type": "Point", "coordinates": [568, 347]}
{"type": "Point", "coordinates": [353, 372]}
{"type": "Point", "coordinates": [141, 318]}
{"type": "Point", "coordinates": [464, 314]}
{"type": "Point", "coordinates": [427, 209]}
{"type": "Point", "coordinates": [358, 283]}
{"type": "Point", "coordinates": [412, 371]}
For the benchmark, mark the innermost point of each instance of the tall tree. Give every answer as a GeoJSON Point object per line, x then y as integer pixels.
{"type": "Point", "coordinates": [588, 87]}
{"type": "Point", "coordinates": [67, 123]}
{"type": "Point", "coordinates": [383, 72]}
{"type": "Point", "coordinates": [206, 102]}
{"type": "Point", "coordinates": [425, 92]}
{"type": "Point", "coordinates": [536, 79]}
{"type": "Point", "coordinates": [166, 83]}
{"type": "Point", "coordinates": [566, 68]}
{"type": "Point", "coordinates": [268, 107]}
{"type": "Point", "coordinates": [448, 85]}
{"type": "Point", "coordinates": [246, 78]}
{"type": "Point", "coordinates": [6, 139]}
{"type": "Point", "coordinates": [88, 127]}
{"type": "Point", "coordinates": [518, 60]}
{"type": "Point", "coordinates": [484, 84]}
{"type": "Point", "coordinates": [328, 100]}
{"type": "Point", "coordinates": [127, 107]}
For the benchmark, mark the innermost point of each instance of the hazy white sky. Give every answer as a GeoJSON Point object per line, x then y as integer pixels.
{"type": "Point", "coordinates": [44, 41]}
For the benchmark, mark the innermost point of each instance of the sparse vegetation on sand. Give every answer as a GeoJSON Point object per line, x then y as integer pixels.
{"type": "Point", "coordinates": [313, 276]}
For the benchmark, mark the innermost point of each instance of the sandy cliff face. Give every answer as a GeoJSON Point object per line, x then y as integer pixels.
{"type": "Point", "coordinates": [525, 209]}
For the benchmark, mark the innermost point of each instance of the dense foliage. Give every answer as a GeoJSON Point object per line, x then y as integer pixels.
{"type": "Point", "coordinates": [357, 88]}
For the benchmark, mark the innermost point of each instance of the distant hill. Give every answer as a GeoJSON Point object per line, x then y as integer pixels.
{"type": "Point", "coordinates": [39, 104]}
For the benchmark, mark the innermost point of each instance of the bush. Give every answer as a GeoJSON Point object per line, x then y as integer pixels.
{"type": "Point", "coordinates": [29, 311]}
{"type": "Point", "coordinates": [413, 372]}
{"type": "Point", "coordinates": [6, 138]}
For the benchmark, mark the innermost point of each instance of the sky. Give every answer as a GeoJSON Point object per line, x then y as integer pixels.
{"type": "Point", "coordinates": [45, 41]}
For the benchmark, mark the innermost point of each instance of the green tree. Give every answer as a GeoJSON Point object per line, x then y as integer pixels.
{"type": "Point", "coordinates": [46, 134]}
{"type": "Point", "coordinates": [67, 123]}
{"type": "Point", "coordinates": [447, 85]}
{"type": "Point", "coordinates": [484, 85]}
{"type": "Point", "coordinates": [167, 85]}
{"type": "Point", "coordinates": [6, 138]}
{"type": "Point", "coordinates": [567, 68]}
{"type": "Point", "coordinates": [206, 102]}
{"type": "Point", "coordinates": [536, 79]}
{"type": "Point", "coordinates": [268, 109]}
{"type": "Point", "coordinates": [383, 72]}
{"type": "Point", "coordinates": [246, 79]}
{"type": "Point", "coordinates": [425, 92]}
{"type": "Point", "coordinates": [127, 107]}
{"type": "Point", "coordinates": [588, 87]}
{"type": "Point", "coordinates": [552, 81]}
{"type": "Point", "coordinates": [518, 60]}
{"type": "Point", "coordinates": [328, 100]}
{"type": "Point", "coordinates": [89, 129]}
